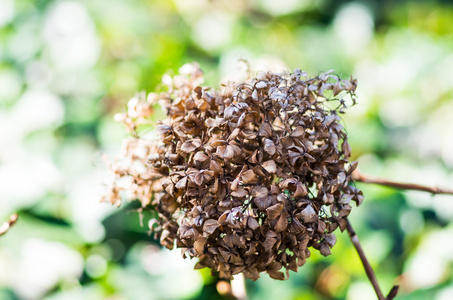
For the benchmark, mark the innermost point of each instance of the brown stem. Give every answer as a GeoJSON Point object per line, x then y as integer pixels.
{"type": "Point", "coordinates": [5, 226]}
{"type": "Point", "coordinates": [368, 269]}
{"type": "Point", "coordinates": [357, 176]}
{"type": "Point", "coordinates": [392, 293]}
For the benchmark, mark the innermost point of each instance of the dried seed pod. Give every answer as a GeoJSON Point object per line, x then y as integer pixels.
{"type": "Point", "coordinates": [246, 178]}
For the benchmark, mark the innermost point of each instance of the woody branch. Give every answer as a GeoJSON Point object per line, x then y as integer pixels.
{"type": "Point", "coordinates": [357, 176]}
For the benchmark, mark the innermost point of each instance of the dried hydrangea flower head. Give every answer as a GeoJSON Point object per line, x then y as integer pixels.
{"type": "Point", "coordinates": [246, 178]}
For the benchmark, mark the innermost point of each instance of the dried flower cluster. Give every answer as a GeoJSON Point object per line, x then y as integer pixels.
{"type": "Point", "coordinates": [246, 178]}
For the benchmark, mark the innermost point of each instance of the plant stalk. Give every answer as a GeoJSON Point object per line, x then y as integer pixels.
{"type": "Point", "coordinates": [357, 176]}
{"type": "Point", "coordinates": [368, 269]}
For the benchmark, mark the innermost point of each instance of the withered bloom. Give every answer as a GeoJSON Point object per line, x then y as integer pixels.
{"type": "Point", "coordinates": [246, 178]}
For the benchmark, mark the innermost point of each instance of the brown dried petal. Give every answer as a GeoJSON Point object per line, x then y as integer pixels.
{"type": "Point", "coordinates": [274, 211]}
{"type": "Point", "coordinates": [181, 184]}
{"type": "Point", "coordinates": [328, 120]}
{"type": "Point", "coordinates": [219, 143]}
{"type": "Point", "coordinates": [269, 243]}
{"type": "Point", "coordinates": [276, 274]}
{"type": "Point", "coordinates": [297, 226]}
{"type": "Point", "coordinates": [301, 190]}
{"type": "Point", "coordinates": [269, 146]}
{"type": "Point", "coordinates": [252, 273]}
{"type": "Point", "coordinates": [259, 191]}
{"type": "Point", "coordinates": [270, 166]}
{"type": "Point", "coordinates": [341, 178]}
{"type": "Point", "coordinates": [163, 129]}
{"type": "Point", "coordinates": [345, 199]}
{"type": "Point", "coordinates": [328, 198]}
{"type": "Point", "coordinates": [210, 122]}
{"type": "Point", "coordinates": [199, 244]}
{"type": "Point", "coordinates": [345, 211]}
{"type": "Point", "coordinates": [228, 151]}
{"type": "Point", "coordinates": [190, 146]}
{"type": "Point", "coordinates": [210, 226]}
{"type": "Point", "coordinates": [292, 265]}
{"type": "Point", "coordinates": [287, 182]}
{"type": "Point", "coordinates": [324, 249]}
{"type": "Point", "coordinates": [275, 266]}
{"type": "Point", "coordinates": [249, 134]}
{"type": "Point", "coordinates": [337, 88]}
{"type": "Point", "coordinates": [359, 198]}
{"type": "Point", "coordinates": [224, 152]}
{"type": "Point", "coordinates": [256, 157]}
{"type": "Point", "coordinates": [309, 158]}
{"type": "Point", "coordinates": [352, 167]}
{"type": "Point", "coordinates": [321, 227]}
{"type": "Point", "coordinates": [240, 193]}
{"type": "Point", "coordinates": [298, 132]}
{"type": "Point", "coordinates": [222, 219]}
{"type": "Point", "coordinates": [200, 156]}
{"type": "Point", "coordinates": [234, 134]}
{"type": "Point", "coordinates": [282, 223]}
{"type": "Point", "coordinates": [252, 223]}
{"type": "Point", "coordinates": [235, 184]}
{"type": "Point", "coordinates": [225, 254]}
{"type": "Point", "coordinates": [198, 179]}
{"type": "Point", "coordinates": [215, 167]}
{"type": "Point", "coordinates": [308, 214]}
{"type": "Point", "coordinates": [249, 177]}
{"type": "Point", "coordinates": [346, 149]}
{"type": "Point", "coordinates": [252, 249]}
{"type": "Point", "coordinates": [265, 130]}
{"type": "Point", "coordinates": [199, 265]}
{"type": "Point", "coordinates": [343, 223]}
{"type": "Point", "coordinates": [228, 239]}
{"type": "Point", "coordinates": [330, 239]}
{"type": "Point", "coordinates": [236, 260]}
{"type": "Point", "coordinates": [188, 232]}
{"type": "Point", "coordinates": [233, 220]}
{"type": "Point", "coordinates": [263, 202]}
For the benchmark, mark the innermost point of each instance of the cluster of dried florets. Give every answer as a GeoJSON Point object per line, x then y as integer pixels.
{"type": "Point", "coordinates": [249, 177]}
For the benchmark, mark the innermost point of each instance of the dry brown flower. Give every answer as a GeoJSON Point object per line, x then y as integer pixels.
{"type": "Point", "coordinates": [246, 178]}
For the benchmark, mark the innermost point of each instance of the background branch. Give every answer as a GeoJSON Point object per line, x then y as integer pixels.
{"type": "Point", "coordinates": [357, 176]}
{"type": "Point", "coordinates": [368, 269]}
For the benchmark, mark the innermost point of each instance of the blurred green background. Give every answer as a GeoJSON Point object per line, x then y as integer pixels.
{"type": "Point", "coordinates": [67, 66]}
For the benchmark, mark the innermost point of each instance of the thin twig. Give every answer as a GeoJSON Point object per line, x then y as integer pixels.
{"type": "Point", "coordinates": [392, 293]}
{"type": "Point", "coordinates": [368, 269]}
{"type": "Point", "coordinates": [357, 176]}
{"type": "Point", "coordinates": [7, 225]}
